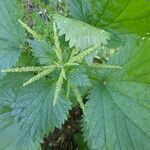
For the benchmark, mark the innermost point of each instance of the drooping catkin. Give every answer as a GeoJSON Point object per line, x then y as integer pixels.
{"type": "Point", "coordinates": [58, 49]}
{"type": "Point", "coordinates": [40, 75]}
{"type": "Point", "coordinates": [78, 58]}
{"type": "Point", "coordinates": [58, 87]}
{"type": "Point", "coordinates": [26, 69]}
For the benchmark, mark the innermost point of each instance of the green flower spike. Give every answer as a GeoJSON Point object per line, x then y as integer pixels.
{"type": "Point", "coordinates": [75, 58]}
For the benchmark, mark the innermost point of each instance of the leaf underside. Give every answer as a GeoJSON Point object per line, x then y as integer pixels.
{"type": "Point", "coordinates": [80, 34]}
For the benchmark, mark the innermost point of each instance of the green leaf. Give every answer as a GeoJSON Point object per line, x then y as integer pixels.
{"type": "Point", "coordinates": [9, 140]}
{"type": "Point", "coordinates": [27, 59]}
{"type": "Point", "coordinates": [43, 50]}
{"type": "Point", "coordinates": [79, 78]}
{"type": "Point", "coordinates": [35, 112]}
{"type": "Point", "coordinates": [9, 131]}
{"type": "Point", "coordinates": [80, 140]}
{"type": "Point", "coordinates": [112, 121]}
{"type": "Point", "coordinates": [11, 34]}
{"type": "Point", "coordinates": [9, 87]}
{"type": "Point", "coordinates": [117, 114]}
{"type": "Point", "coordinates": [80, 10]}
{"type": "Point", "coordinates": [132, 16]}
{"type": "Point", "coordinates": [139, 67]}
{"type": "Point", "coordinates": [126, 16]}
{"type": "Point", "coordinates": [80, 34]}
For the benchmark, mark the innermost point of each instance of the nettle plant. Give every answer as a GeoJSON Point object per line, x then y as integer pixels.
{"type": "Point", "coordinates": [98, 49]}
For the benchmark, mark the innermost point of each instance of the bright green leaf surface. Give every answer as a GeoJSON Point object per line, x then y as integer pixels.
{"type": "Point", "coordinates": [128, 15]}
{"type": "Point", "coordinates": [9, 140]}
{"type": "Point", "coordinates": [123, 15]}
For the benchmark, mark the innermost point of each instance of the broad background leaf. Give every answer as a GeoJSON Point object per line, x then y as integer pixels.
{"type": "Point", "coordinates": [80, 9]}
{"type": "Point", "coordinates": [123, 15]}
{"type": "Point", "coordinates": [118, 112]}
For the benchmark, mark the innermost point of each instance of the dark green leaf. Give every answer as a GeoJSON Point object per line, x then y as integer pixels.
{"type": "Point", "coordinates": [11, 34]}
{"type": "Point", "coordinates": [80, 9]}
{"type": "Point", "coordinates": [118, 112]}
{"type": "Point", "coordinates": [78, 77]}
{"type": "Point", "coordinates": [35, 112]}
{"type": "Point", "coordinates": [122, 15]}
{"type": "Point", "coordinates": [43, 50]}
{"type": "Point", "coordinates": [9, 130]}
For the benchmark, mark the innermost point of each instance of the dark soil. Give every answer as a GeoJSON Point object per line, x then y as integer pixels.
{"type": "Point", "coordinates": [63, 139]}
